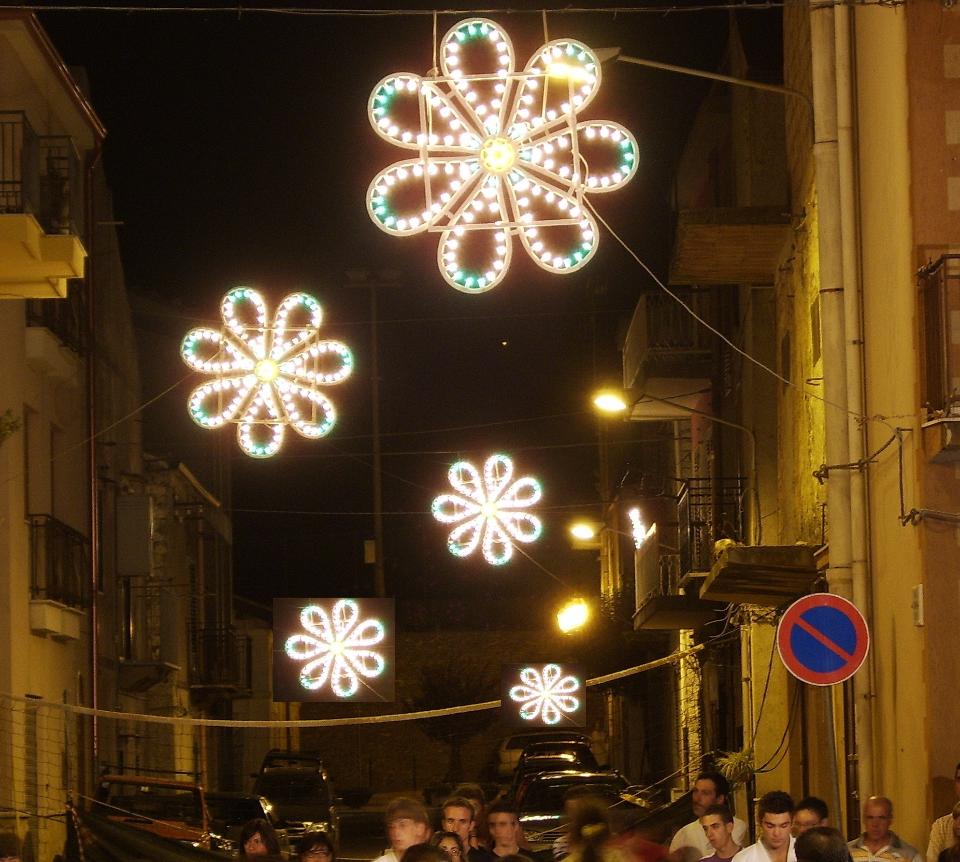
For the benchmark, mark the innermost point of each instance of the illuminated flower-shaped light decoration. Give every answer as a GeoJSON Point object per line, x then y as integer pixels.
{"type": "Point", "coordinates": [336, 648]}
{"type": "Point", "coordinates": [265, 376]}
{"type": "Point", "coordinates": [547, 695]}
{"type": "Point", "coordinates": [499, 153]}
{"type": "Point", "coordinates": [488, 510]}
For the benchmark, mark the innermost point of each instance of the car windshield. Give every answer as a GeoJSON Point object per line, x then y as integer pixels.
{"type": "Point", "coordinates": [233, 812]}
{"type": "Point", "coordinates": [281, 789]}
{"type": "Point", "coordinates": [548, 795]}
{"type": "Point", "coordinates": [522, 740]}
{"type": "Point", "coordinates": [155, 802]}
{"type": "Point", "coordinates": [579, 754]}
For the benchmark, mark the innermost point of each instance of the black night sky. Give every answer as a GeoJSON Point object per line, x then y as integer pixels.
{"type": "Point", "coordinates": [239, 152]}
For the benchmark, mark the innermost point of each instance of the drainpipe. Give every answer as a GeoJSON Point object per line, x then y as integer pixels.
{"type": "Point", "coordinates": [94, 479]}
{"type": "Point", "coordinates": [853, 330]}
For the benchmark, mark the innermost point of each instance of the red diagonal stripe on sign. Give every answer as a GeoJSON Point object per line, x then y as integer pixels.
{"type": "Point", "coordinates": [820, 637]}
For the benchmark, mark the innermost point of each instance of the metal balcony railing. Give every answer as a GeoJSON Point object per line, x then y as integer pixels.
{"type": "Point", "coordinates": [40, 175]}
{"type": "Point", "coordinates": [939, 284]}
{"type": "Point", "coordinates": [663, 334]}
{"type": "Point", "coordinates": [59, 562]}
{"type": "Point", "coordinates": [67, 319]}
{"type": "Point", "coordinates": [708, 510]}
{"type": "Point", "coordinates": [219, 658]}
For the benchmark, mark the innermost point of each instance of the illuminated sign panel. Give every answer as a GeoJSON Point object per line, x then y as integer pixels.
{"type": "Point", "coordinates": [333, 650]}
{"type": "Point", "coordinates": [543, 695]}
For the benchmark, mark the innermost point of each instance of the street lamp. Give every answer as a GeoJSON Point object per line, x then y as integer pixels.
{"type": "Point", "coordinates": [610, 401]}
{"type": "Point", "coordinates": [573, 615]}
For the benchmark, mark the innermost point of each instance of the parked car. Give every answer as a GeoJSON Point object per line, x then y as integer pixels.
{"type": "Point", "coordinates": [228, 813]}
{"type": "Point", "coordinates": [278, 758]}
{"type": "Point", "coordinates": [301, 798]}
{"type": "Point", "coordinates": [540, 801]}
{"type": "Point", "coordinates": [176, 810]}
{"type": "Point", "coordinates": [510, 748]}
{"type": "Point", "coordinates": [577, 753]}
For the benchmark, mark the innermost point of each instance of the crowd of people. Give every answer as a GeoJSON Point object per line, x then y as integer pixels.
{"type": "Point", "coordinates": [787, 831]}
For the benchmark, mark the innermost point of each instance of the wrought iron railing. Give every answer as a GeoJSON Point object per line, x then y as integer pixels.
{"type": "Point", "coordinates": [67, 318]}
{"type": "Point", "coordinates": [708, 510]}
{"type": "Point", "coordinates": [40, 175]}
{"type": "Point", "coordinates": [59, 562]}
{"type": "Point", "coordinates": [939, 284]}
{"type": "Point", "coordinates": [219, 658]}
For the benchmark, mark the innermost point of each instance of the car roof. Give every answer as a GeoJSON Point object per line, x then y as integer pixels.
{"type": "Point", "coordinates": [232, 794]}
{"type": "Point", "coordinates": [143, 779]}
{"type": "Point", "coordinates": [280, 771]}
{"type": "Point", "coordinates": [586, 777]}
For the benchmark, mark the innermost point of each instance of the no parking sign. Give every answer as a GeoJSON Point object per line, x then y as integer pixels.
{"type": "Point", "coordinates": [822, 639]}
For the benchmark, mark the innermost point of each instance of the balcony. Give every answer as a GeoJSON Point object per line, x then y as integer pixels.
{"type": "Point", "coordinates": [41, 211]}
{"type": "Point", "coordinates": [219, 662]}
{"type": "Point", "coordinates": [768, 575]}
{"type": "Point", "coordinates": [728, 245]}
{"type": "Point", "coordinates": [59, 571]}
{"type": "Point", "coordinates": [939, 285]}
{"type": "Point", "coordinates": [668, 355]}
{"type": "Point", "coordinates": [668, 585]}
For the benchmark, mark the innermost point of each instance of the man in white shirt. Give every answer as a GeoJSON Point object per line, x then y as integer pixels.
{"type": "Point", "coordinates": [407, 824]}
{"type": "Point", "coordinates": [776, 844]}
{"type": "Point", "coordinates": [690, 844]}
{"type": "Point", "coordinates": [941, 833]}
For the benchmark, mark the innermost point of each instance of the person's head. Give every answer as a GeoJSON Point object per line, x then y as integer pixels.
{"type": "Point", "coordinates": [575, 796]}
{"type": "Point", "coordinates": [315, 846]}
{"type": "Point", "coordinates": [474, 794]}
{"type": "Point", "coordinates": [877, 817]}
{"type": "Point", "coordinates": [717, 825]}
{"type": "Point", "coordinates": [457, 815]}
{"type": "Point", "coordinates": [708, 789]}
{"type": "Point", "coordinates": [258, 838]}
{"type": "Point", "coordinates": [775, 813]}
{"type": "Point", "coordinates": [504, 824]}
{"type": "Point", "coordinates": [451, 844]}
{"type": "Point", "coordinates": [424, 852]}
{"type": "Point", "coordinates": [808, 813]}
{"type": "Point", "coordinates": [956, 823]}
{"type": "Point", "coordinates": [407, 824]}
{"type": "Point", "coordinates": [821, 844]}
{"type": "Point", "coordinates": [590, 829]}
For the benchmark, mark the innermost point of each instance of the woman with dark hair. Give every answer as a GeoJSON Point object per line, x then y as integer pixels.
{"type": "Point", "coordinates": [952, 853]}
{"type": "Point", "coordinates": [315, 846]}
{"type": "Point", "coordinates": [424, 853]}
{"type": "Point", "coordinates": [450, 843]}
{"type": "Point", "coordinates": [258, 838]}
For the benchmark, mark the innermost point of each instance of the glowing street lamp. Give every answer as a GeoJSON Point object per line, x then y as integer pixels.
{"type": "Point", "coordinates": [610, 401]}
{"type": "Point", "coordinates": [583, 531]}
{"type": "Point", "coordinates": [573, 615]}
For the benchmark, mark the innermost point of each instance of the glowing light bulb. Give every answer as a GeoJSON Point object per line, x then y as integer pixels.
{"type": "Point", "coordinates": [610, 402]}
{"type": "Point", "coordinates": [266, 370]}
{"type": "Point", "coordinates": [573, 615]}
{"type": "Point", "coordinates": [583, 531]}
{"type": "Point", "coordinates": [498, 154]}
{"type": "Point", "coordinates": [570, 72]}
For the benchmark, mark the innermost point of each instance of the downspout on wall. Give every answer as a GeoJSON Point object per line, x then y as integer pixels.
{"type": "Point", "coordinates": [853, 329]}
{"type": "Point", "coordinates": [840, 312]}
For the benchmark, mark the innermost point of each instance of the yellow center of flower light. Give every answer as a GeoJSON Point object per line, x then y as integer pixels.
{"type": "Point", "coordinates": [489, 509]}
{"type": "Point", "coordinates": [498, 155]}
{"type": "Point", "coordinates": [266, 370]}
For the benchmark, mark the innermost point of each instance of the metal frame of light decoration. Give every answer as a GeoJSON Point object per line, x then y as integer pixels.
{"type": "Point", "coordinates": [546, 695]}
{"type": "Point", "coordinates": [488, 511]}
{"type": "Point", "coordinates": [511, 165]}
{"type": "Point", "coordinates": [265, 375]}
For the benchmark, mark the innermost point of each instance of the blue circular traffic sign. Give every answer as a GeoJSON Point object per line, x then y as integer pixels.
{"type": "Point", "coordinates": [822, 639]}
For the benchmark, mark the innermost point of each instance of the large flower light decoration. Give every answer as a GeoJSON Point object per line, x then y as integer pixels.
{"type": "Point", "coordinates": [546, 695]}
{"type": "Point", "coordinates": [265, 376]}
{"type": "Point", "coordinates": [336, 648]}
{"type": "Point", "coordinates": [489, 509]}
{"type": "Point", "coordinates": [499, 153]}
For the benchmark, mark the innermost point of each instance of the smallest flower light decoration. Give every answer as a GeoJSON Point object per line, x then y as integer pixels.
{"type": "Point", "coordinates": [265, 376]}
{"type": "Point", "coordinates": [488, 510]}
{"type": "Point", "coordinates": [547, 694]}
